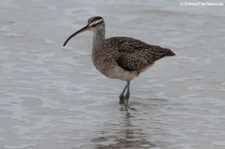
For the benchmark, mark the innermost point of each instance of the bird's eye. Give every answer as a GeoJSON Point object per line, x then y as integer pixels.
{"type": "Point", "coordinates": [97, 24]}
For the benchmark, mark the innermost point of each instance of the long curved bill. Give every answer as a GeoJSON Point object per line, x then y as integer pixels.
{"type": "Point", "coordinates": [86, 28]}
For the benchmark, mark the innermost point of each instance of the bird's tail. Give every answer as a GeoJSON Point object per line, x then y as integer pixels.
{"type": "Point", "coordinates": [160, 52]}
{"type": "Point", "coordinates": [168, 52]}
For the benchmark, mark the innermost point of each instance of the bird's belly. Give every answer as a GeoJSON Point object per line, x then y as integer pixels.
{"type": "Point", "coordinates": [119, 73]}
{"type": "Point", "coordinates": [111, 70]}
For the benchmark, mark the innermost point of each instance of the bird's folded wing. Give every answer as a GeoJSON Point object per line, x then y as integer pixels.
{"type": "Point", "coordinates": [133, 62]}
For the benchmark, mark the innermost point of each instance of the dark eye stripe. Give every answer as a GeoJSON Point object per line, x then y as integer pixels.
{"type": "Point", "coordinates": [96, 24]}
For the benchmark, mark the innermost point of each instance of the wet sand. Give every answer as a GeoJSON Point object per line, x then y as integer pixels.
{"type": "Point", "coordinates": [53, 97]}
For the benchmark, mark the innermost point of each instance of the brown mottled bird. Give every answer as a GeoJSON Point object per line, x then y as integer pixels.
{"type": "Point", "coordinates": [121, 58]}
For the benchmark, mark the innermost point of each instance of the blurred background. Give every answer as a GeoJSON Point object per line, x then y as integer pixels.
{"type": "Point", "coordinates": [53, 97]}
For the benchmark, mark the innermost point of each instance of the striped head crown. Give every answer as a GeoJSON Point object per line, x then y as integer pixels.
{"type": "Point", "coordinates": [96, 21]}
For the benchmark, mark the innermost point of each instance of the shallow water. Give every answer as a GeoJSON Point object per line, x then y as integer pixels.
{"type": "Point", "coordinates": [52, 97]}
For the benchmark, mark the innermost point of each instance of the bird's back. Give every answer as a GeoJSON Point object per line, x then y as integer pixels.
{"type": "Point", "coordinates": [134, 55]}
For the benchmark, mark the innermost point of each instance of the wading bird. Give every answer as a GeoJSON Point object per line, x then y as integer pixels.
{"type": "Point", "coordinates": [121, 58]}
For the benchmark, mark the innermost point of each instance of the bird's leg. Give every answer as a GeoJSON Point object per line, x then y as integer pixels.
{"type": "Point", "coordinates": [127, 96]}
{"type": "Point", "coordinates": [122, 95]}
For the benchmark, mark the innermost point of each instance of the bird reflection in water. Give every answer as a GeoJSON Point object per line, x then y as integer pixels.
{"type": "Point", "coordinates": [126, 136]}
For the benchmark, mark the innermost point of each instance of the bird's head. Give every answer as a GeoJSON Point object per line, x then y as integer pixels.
{"type": "Point", "coordinates": [94, 24]}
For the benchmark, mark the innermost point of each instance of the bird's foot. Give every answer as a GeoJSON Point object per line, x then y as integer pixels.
{"type": "Point", "coordinates": [123, 104]}
{"type": "Point", "coordinates": [123, 108]}
{"type": "Point", "coordinates": [130, 108]}
{"type": "Point", "coordinates": [121, 99]}
{"type": "Point", "coordinates": [124, 101]}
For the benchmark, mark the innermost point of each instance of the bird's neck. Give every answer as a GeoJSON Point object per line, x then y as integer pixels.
{"type": "Point", "coordinates": [98, 39]}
